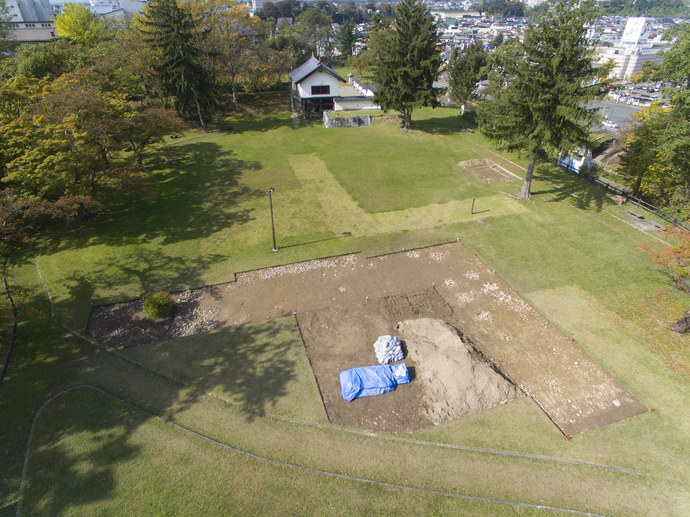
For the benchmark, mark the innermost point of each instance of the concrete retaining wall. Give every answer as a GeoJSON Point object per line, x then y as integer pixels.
{"type": "Point", "coordinates": [331, 121]}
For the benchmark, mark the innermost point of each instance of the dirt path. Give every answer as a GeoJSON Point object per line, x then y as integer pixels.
{"type": "Point", "coordinates": [344, 303]}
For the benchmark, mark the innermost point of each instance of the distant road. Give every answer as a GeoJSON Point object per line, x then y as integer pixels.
{"type": "Point", "coordinates": [618, 112]}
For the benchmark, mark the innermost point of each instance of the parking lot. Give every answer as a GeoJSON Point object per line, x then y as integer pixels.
{"type": "Point", "coordinates": [617, 112]}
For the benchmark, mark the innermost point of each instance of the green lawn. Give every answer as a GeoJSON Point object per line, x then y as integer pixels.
{"type": "Point", "coordinates": [376, 190]}
{"type": "Point", "coordinates": [102, 457]}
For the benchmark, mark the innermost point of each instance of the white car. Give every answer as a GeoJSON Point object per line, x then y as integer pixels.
{"type": "Point", "coordinates": [609, 124]}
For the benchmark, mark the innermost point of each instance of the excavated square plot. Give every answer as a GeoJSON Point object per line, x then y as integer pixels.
{"type": "Point", "coordinates": [343, 304]}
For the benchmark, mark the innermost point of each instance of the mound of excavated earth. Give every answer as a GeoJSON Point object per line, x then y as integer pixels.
{"type": "Point", "coordinates": [456, 378]}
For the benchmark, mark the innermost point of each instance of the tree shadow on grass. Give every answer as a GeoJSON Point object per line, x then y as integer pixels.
{"type": "Point", "coordinates": [255, 365]}
{"type": "Point", "coordinates": [189, 200]}
{"type": "Point", "coordinates": [137, 270]}
{"type": "Point", "coordinates": [264, 111]}
{"type": "Point", "coordinates": [267, 103]}
{"type": "Point", "coordinates": [260, 124]}
{"type": "Point", "coordinates": [74, 453]}
{"type": "Point", "coordinates": [47, 360]}
{"type": "Point", "coordinates": [573, 189]}
{"type": "Point", "coordinates": [442, 125]}
{"type": "Point", "coordinates": [264, 124]}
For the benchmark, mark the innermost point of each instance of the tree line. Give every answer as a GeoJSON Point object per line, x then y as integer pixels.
{"type": "Point", "coordinates": [78, 113]}
{"type": "Point", "coordinates": [656, 158]}
{"type": "Point", "coordinates": [670, 8]}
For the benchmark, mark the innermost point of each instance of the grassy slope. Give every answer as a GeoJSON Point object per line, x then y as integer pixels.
{"type": "Point", "coordinates": [207, 219]}
{"type": "Point", "coordinates": [155, 467]}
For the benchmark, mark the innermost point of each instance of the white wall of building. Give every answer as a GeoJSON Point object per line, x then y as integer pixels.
{"type": "Point", "coordinates": [109, 8]}
{"type": "Point", "coordinates": [29, 10]}
{"type": "Point", "coordinates": [34, 32]}
{"type": "Point", "coordinates": [319, 78]}
{"type": "Point", "coordinates": [31, 21]}
{"type": "Point", "coordinates": [361, 103]}
{"type": "Point", "coordinates": [628, 60]}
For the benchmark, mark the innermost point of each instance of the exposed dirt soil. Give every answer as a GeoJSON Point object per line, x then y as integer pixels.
{"type": "Point", "coordinates": [486, 170]}
{"type": "Point", "coordinates": [642, 223]}
{"type": "Point", "coordinates": [343, 304]}
{"type": "Point", "coordinates": [456, 378]}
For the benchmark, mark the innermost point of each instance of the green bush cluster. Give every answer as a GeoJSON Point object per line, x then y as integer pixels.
{"type": "Point", "coordinates": [158, 305]}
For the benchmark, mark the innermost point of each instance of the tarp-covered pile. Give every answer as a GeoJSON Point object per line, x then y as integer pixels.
{"type": "Point", "coordinates": [388, 350]}
{"type": "Point", "coordinates": [367, 381]}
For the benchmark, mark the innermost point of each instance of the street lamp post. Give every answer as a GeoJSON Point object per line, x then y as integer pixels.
{"type": "Point", "coordinates": [273, 227]}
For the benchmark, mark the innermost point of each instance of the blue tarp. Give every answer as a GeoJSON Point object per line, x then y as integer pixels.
{"type": "Point", "coordinates": [367, 381]}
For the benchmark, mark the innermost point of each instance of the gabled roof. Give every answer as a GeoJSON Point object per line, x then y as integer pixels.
{"type": "Point", "coordinates": [312, 65]}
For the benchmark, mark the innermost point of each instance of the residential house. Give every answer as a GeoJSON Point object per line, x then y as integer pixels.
{"type": "Point", "coordinates": [314, 88]}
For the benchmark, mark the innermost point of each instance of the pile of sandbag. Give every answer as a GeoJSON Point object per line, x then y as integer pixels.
{"type": "Point", "coordinates": [388, 349]}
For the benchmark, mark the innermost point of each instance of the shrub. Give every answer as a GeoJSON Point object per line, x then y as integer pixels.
{"type": "Point", "coordinates": [158, 305]}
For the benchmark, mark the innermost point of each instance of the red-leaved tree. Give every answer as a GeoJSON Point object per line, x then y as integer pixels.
{"type": "Point", "coordinates": [676, 260]}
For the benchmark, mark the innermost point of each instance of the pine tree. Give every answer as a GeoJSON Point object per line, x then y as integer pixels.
{"type": "Point", "coordinates": [173, 31]}
{"type": "Point", "coordinates": [540, 88]}
{"type": "Point", "coordinates": [408, 62]}
{"type": "Point", "coordinates": [466, 71]}
{"type": "Point", "coordinates": [345, 37]}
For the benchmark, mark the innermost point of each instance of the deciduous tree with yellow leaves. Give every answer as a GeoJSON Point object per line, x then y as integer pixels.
{"type": "Point", "coordinates": [77, 22]}
{"type": "Point", "coordinates": [231, 39]}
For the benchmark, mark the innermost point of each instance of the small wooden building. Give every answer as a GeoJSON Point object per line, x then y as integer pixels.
{"type": "Point", "coordinates": [314, 86]}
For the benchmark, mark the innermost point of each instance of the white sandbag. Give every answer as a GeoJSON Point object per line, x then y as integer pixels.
{"type": "Point", "coordinates": [388, 349]}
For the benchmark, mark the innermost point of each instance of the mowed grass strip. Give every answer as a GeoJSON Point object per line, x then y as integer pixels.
{"type": "Point", "coordinates": [92, 455]}
{"type": "Point", "coordinates": [109, 462]}
{"type": "Point", "coordinates": [207, 217]}
{"type": "Point", "coordinates": [260, 365]}
{"type": "Point", "coordinates": [342, 215]}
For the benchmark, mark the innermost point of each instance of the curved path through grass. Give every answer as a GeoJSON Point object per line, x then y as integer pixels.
{"type": "Point", "coordinates": [301, 468]}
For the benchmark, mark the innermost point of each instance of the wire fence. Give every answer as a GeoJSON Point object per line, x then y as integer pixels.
{"type": "Point", "coordinates": [627, 193]}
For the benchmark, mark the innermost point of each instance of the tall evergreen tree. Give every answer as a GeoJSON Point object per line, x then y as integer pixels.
{"type": "Point", "coordinates": [345, 37]}
{"type": "Point", "coordinates": [540, 88]}
{"type": "Point", "coordinates": [408, 62]}
{"type": "Point", "coordinates": [466, 71]}
{"type": "Point", "coordinates": [172, 30]}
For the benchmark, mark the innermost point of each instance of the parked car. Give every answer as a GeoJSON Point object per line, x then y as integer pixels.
{"type": "Point", "coordinates": [609, 124]}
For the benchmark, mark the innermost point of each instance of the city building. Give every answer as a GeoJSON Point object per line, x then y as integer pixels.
{"type": "Point", "coordinates": [32, 21]}
{"type": "Point", "coordinates": [637, 43]}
